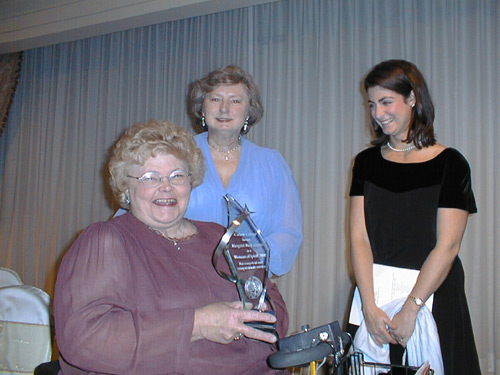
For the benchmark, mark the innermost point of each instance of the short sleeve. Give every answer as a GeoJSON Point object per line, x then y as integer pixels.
{"type": "Point", "coordinates": [456, 191]}
{"type": "Point", "coordinates": [358, 177]}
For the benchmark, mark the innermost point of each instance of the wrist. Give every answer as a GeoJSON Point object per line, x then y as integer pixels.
{"type": "Point", "coordinates": [368, 305]}
{"type": "Point", "coordinates": [416, 300]}
{"type": "Point", "coordinates": [196, 333]}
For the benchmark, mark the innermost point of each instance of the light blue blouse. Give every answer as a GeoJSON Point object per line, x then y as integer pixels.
{"type": "Point", "coordinates": [264, 182]}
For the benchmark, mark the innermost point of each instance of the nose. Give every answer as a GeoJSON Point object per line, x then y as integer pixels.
{"type": "Point", "coordinates": [224, 106]}
{"type": "Point", "coordinates": [378, 111]}
{"type": "Point", "coordinates": [165, 184]}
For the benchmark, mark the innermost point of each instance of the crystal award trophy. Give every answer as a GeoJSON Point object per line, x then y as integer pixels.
{"type": "Point", "coordinates": [246, 252]}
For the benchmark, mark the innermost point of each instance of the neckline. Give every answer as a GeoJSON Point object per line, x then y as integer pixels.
{"type": "Point", "coordinates": [176, 242]}
{"type": "Point", "coordinates": [205, 147]}
{"type": "Point", "coordinates": [412, 163]}
{"type": "Point", "coordinates": [226, 152]}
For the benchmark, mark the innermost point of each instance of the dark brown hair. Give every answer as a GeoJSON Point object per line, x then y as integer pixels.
{"type": "Point", "coordinates": [403, 77]}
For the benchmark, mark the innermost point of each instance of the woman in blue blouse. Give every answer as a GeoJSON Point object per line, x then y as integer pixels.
{"type": "Point", "coordinates": [226, 103]}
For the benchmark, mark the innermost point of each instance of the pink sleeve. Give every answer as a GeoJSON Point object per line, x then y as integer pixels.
{"type": "Point", "coordinates": [98, 327]}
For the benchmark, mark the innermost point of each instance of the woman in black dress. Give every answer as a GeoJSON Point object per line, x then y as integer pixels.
{"type": "Point", "coordinates": [410, 200]}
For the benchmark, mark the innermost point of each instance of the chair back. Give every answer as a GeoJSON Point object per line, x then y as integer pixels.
{"type": "Point", "coordinates": [25, 339]}
{"type": "Point", "coordinates": [9, 277]}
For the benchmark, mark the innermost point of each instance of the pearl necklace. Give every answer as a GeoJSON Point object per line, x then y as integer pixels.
{"type": "Point", "coordinates": [226, 153]}
{"type": "Point", "coordinates": [400, 149]}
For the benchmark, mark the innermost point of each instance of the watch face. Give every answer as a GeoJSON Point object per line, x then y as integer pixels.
{"type": "Point", "coordinates": [418, 301]}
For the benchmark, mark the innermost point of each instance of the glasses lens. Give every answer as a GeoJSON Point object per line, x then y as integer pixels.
{"type": "Point", "coordinates": [178, 178]}
{"type": "Point", "coordinates": [151, 179]}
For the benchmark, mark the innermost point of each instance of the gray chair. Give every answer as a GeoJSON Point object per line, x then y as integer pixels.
{"type": "Point", "coordinates": [9, 277]}
{"type": "Point", "coordinates": [25, 339]}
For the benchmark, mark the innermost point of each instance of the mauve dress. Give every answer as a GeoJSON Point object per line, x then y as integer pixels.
{"type": "Point", "coordinates": [401, 206]}
{"type": "Point", "coordinates": [125, 299]}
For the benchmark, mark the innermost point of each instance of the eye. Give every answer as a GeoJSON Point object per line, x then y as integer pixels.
{"type": "Point", "coordinates": [386, 102]}
{"type": "Point", "coordinates": [177, 175]}
{"type": "Point", "coordinates": [236, 101]}
{"type": "Point", "coordinates": [214, 100]}
{"type": "Point", "coordinates": [150, 178]}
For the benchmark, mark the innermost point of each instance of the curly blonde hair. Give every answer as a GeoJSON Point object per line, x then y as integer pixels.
{"type": "Point", "coordinates": [145, 140]}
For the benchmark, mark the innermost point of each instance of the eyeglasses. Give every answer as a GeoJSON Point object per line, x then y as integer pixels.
{"type": "Point", "coordinates": [154, 179]}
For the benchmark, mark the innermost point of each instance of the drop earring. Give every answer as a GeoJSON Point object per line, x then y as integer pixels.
{"type": "Point", "coordinates": [127, 198]}
{"type": "Point", "coordinates": [203, 124]}
{"type": "Point", "coordinates": [245, 126]}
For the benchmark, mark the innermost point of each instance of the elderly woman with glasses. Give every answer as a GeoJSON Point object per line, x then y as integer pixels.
{"type": "Point", "coordinates": [138, 294]}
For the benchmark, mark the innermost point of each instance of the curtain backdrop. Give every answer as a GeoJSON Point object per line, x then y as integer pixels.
{"type": "Point", "coordinates": [10, 66]}
{"type": "Point", "coordinates": [308, 58]}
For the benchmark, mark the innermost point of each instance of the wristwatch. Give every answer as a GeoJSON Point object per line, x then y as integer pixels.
{"type": "Point", "coordinates": [418, 301]}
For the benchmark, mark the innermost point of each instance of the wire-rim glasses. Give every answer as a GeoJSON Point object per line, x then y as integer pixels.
{"type": "Point", "coordinates": [154, 179]}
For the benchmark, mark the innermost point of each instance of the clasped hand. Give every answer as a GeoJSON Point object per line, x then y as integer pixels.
{"type": "Point", "coordinates": [404, 321]}
{"type": "Point", "coordinates": [224, 322]}
{"type": "Point", "coordinates": [383, 330]}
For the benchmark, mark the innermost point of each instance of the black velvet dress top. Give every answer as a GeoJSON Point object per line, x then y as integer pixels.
{"type": "Point", "coordinates": [401, 205]}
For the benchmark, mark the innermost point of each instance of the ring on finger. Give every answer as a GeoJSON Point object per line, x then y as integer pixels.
{"type": "Point", "coordinates": [238, 336]}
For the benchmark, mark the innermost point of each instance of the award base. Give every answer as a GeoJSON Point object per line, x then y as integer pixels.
{"type": "Point", "coordinates": [263, 326]}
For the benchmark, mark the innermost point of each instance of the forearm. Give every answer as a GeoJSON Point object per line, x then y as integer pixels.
{"type": "Point", "coordinates": [123, 342]}
{"type": "Point", "coordinates": [433, 272]}
{"type": "Point", "coordinates": [376, 320]}
{"type": "Point", "coordinates": [431, 276]}
{"type": "Point", "coordinates": [362, 263]}
{"type": "Point", "coordinates": [285, 221]}
{"type": "Point", "coordinates": [285, 246]}
{"type": "Point", "coordinates": [361, 252]}
{"type": "Point", "coordinates": [450, 230]}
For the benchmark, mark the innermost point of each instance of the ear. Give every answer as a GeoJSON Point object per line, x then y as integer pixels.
{"type": "Point", "coordinates": [411, 99]}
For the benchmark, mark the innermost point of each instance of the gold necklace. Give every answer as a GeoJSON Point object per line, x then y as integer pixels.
{"type": "Point", "coordinates": [226, 153]}
{"type": "Point", "coordinates": [175, 241]}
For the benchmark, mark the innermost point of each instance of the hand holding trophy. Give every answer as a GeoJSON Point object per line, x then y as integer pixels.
{"type": "Point", "coordinates": [247, 257]}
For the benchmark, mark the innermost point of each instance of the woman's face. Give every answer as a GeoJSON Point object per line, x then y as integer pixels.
{"type": "Point", "coordinates": [391, 111]}
{"type": "Point", "coordinates": [163, 206]}
{"type": "Point", "coordinates": [226, 107]}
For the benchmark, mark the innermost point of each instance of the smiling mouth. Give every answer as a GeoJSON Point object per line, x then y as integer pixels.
{"type": "Point", "coordinates": [165, 202]}
{"type": "Point", "coordinates": [385, 122]}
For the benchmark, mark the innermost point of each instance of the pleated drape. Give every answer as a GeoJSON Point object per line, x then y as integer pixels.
{"type": "Point", "coordinates": [308, 58]}
{"type": "Point", "coordinates": [10, 66]}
